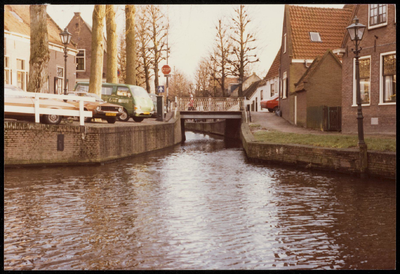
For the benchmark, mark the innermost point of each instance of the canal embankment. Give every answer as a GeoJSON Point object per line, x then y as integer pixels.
{"type": "Point", "coordinates": [30, 144]}
{"type": "Point", "coordinates": [380, 164]}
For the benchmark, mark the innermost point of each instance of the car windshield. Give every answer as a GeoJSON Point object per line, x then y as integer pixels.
{"type": "Point", "coordinates": [82, 88]}
{"type": "Point", "coordinates": [97, 97]}
{"type": "Point", "coordinates": [139, 92]}
{"type": "Point", "coordinates": [13, 91]}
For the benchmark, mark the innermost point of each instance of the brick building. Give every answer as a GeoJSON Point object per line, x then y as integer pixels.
{"type": "Point", "coordinates": [82, 37]}
{"type": "Point", "coordinates": [377, 71]}
{"type": "Point", "coordinates": [319, 94]}
{"type": "Point", "coordinates": [307, 33]}
{"type": "Point", "coordinates": [17, 51]}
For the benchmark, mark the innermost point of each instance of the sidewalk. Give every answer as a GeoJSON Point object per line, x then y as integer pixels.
{"type": "Point", "coordinates": [270, 121]}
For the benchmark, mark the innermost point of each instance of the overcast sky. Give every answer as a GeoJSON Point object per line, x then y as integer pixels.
{"type": "Point", "coordinates": [192, 30]}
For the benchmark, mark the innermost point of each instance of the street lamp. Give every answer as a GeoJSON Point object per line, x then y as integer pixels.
{"type": "Point", "coordinates": [65, 39]}
{"type": "Point", "coordinates": [356, 32]}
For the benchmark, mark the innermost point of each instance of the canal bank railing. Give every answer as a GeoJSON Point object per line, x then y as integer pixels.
{"type": "Point", "coordinates": [37, 110]}
{"type": "Point", "coordinates": [209, 103]}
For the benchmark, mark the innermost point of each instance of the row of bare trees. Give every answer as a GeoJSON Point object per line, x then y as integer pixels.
{"type": "Point", "coordinates": [141, 49]}
{"type": "Point", "coordinates": [137, 59]}
{"type": "Point", "coordinates": [230, 56]}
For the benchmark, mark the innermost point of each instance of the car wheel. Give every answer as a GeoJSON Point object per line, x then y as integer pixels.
{"type": "Point", "coordinates": [270, 110]}
{"type": "Point", "coordinates": [51, 119]}
{"type": "Point", "coordinates": [111, 120]}
{"type": "Point", "coordinates": [275, 109]}
{"type": "Point", "coordinates": [124, 116]}
{"type": "Point", "coordinates": [138, 119]}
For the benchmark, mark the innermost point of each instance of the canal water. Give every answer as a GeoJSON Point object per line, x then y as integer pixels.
{"type": "Point", "coordinates": [199, 205]}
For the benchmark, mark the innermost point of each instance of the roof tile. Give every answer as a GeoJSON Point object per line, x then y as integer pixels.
{"type": "Point", "coordinates": [329, 22]}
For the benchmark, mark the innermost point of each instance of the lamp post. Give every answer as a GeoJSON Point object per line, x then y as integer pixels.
{"type": "Point", "coordinates": [65, 39]}
{"type": "Point", "coordinates": [356, 32]}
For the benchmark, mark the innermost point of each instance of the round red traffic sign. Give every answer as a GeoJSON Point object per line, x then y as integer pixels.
{"type": "Point", "coordinates": [166, 69]}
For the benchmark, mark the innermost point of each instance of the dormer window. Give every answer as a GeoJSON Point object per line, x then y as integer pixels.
{"type": "Point", "coordinates": [315, 37]}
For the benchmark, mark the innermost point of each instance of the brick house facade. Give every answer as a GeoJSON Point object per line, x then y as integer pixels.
{"type": "Point", "coordinates": [82, 37]}
{"type": "Point", "coordinates": [377, 71]}
{"type": "Point", "coordinates": [318, 91]}
{"type": "Point", "coordinates": [17, 51]}
{"type": "Point", "coordinates": [307, 33]}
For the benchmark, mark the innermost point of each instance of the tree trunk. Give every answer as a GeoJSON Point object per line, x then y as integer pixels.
{"type": "Point", "coordinates": [39, 52]}
{"type": "Point", "coordinates": [96, 67]}
{"type": "Point", "coordinates": [112, 50]}
{"type": "Point", "coordinates": [130, 45]}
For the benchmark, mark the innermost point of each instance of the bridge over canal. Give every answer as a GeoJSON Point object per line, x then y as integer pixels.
{"type": "Point", "coordinates": [212, 108]}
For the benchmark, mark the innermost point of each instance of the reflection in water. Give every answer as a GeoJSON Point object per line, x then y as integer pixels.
{"type": "Point", "coordinates": [200, 205]}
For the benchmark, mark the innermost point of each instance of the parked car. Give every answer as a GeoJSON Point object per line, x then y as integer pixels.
{"type": "Point", "coordinates": [135, 100]}
{"type": "Point", "coordinates": [14, 96]}
{"type": "Point", "coordinates": [272, 105]}
{"type": "Point", "coordinates": [99, 108]}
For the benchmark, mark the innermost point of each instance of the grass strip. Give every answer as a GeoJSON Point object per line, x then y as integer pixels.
{"type": "Point", "coordinates": [330, 141]}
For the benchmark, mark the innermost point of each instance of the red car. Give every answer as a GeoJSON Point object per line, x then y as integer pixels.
{"type": "Point", "coordinates": [271, 105]}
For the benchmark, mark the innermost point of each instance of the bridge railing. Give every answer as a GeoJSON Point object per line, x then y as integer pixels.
{"type": "Point", "coordinates": [210, 103]}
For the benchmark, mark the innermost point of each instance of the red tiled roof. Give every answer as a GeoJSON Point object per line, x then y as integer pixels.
{"type": "Point", "coordinates": [17, 19]}
{"type": "Point", "coordinates": [329, 22]}
{"type": "Point", "coordinates": [274, 69]}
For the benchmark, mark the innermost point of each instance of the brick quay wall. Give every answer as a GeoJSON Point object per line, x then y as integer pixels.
{"type": "Point", "coordinates": [45, 145]}
{"type": "Point", "coordinates": [380, 164]}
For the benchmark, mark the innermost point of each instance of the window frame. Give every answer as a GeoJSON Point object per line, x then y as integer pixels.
{"type": "Point", "coordinates": [381, 79]}
{"type": "Point", "coordinates": [284, 86]}
{"type": "Point", "coordinates": [84, 60]}
{"type": "Point", "coordinates": [7, 70]}
{"type": "Point", "coordinates": [354, 81]}
{"type": "Point", "coordinates": [315, 33]}
{"type": "Point", "coordinates": [377, 25]}
{"type": "Point", "coordinates": [60, 80]}
{"type": "Point", "coordinates": [24, 74]}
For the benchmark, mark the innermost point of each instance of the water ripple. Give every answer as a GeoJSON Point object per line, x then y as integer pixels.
{"type": "Point", "coordinates": [196, 206]}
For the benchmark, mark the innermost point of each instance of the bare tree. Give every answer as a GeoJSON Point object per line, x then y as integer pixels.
{"type": "Point", "coordinates": [202, 77]}
{"type": "Point", "coordinates": [220, 56]}
{"type": "Point", "coordinates": [112, 50]}
{"type": "Point", "coordinates": [96, 67]}
{"type": "Point", "coordinates": [122, 57]}
{"type": "Point", "coordinates": [143, 48]}
{"type": "Point", "coordinates": [39, 52]}
{"type": "Point", "coordinates": [130, 45]}
{"type": "Point", "coordinates": [241, 40]}
{"type": "Point", "coordinates": [158, 30]}
{"type": "Point", "coordinates": [179, 84]}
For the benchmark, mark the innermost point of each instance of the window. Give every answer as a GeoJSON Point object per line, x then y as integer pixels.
{"type": "Point", "coordinates": [272, 89]}
{"type": "Point", "coordinates": [388, 78]}
{"type": "Point", "coordinates": [284, 43]}
{"type": "Point", "coordinates": [315, 37]}
{"type": "Point", "coordinates": [21, 74]}
{"type": "Point", "coordinates": [261, 95]}
{"type": "Point", "coordinates": [123, 91]}
{"type": "Point", "coordinates": [60, 80]}
{"type": "Point", "coordinates": [7, 71]}
{"type": "Point", "coordinates": [106, 90]}
{"type": "Point", "coordinates": [80, 60]}
{"type": "Point", "coordinates": [365, 81]}
{"type": "Point", "coordinates": [377, 15]}
{"type": "Point", "coordinates": [284, 86]}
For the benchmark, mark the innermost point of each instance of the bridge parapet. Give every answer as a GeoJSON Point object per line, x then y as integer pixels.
{"type": "Point", "coordinates": [210, 103]}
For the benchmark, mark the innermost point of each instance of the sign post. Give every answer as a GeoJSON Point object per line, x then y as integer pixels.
{"type": "Point", "coordinates": [166, 70]}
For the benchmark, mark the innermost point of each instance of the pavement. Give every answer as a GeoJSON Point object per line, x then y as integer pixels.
{"type": "Point", "coordinates": [270, 121]}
